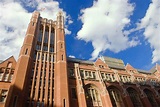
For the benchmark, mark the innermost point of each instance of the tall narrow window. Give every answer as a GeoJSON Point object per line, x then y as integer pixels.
{"type": "Point", "coordinates": [61, 45]}
{"type": "Point", "coordinates": [10, 77]}
{"type": "Point", "coordinates": [32, 23]}
{"type": "Point", "coordinates": [40, 33]}
{"type": "Point", "coordinates": [62, 57]}
{"type": "Point", "coordinates": [15, 101]}
{"type": "Point", "coordinates": [151, 98]}
{"type": "Point", "coordinates": [1, 75]}
{"type": "Point", "coordinates": [6, 75]}
{"type": "Point", "coordinates": [74, 93]}
{"type": "Point", "coordinates": [115, 97]}
{"type": "Point", "coordinates": [3, 95]}
{"type": "Point", "coordinates": [92, 97]}
{"type": "Point", "coordinates": [64, 102]}
{"type": "Point", "coordinates": [134, 97]}
{"type": "Point", "coordinates": [26, 51]}
{"type": "Point", "coordinates": [71, 73]}
{"type": "Point", "coordinates": [82, 73]}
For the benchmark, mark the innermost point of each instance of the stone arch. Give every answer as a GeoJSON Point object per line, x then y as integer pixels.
{"type": "Point", "coordinates": [151, 97]}
{"type": "Point", "coordinates": [116, 86]}
{"type": "Point", "coordinates": [135, 97]}
{"type": "Point", "coordinates": [115, 96]}
{"type": "Point", "coordinates": [93, 97]}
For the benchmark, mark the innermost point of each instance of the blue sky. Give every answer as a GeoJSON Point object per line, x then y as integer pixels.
{"type": "Point", "coordinates": [124, 29]}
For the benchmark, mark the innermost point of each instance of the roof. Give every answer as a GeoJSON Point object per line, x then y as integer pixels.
{"type": "Point", "coordinates": [79, 60]}
{"type": "Point", "coordinates": [1, 61]}
{"type": "Point", "coordinates": [143, 71]}
{"type": "Point", "coordinates": [113, 62]}
{"type": "Point", "coordinates": [153, 69]}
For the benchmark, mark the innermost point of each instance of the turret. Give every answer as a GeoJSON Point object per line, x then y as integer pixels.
{"type": "Point", "coordinates": [60, 20]}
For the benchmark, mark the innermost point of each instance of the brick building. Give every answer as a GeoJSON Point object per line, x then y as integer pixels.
{"type": "Point", "coordinates": [44, 76]}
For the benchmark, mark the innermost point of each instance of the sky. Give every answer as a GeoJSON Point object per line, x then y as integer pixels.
{"type": "Point", "coordinates": [123, 29]}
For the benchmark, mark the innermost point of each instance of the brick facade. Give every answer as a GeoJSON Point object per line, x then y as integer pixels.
{"type": "Point", "coordinates": [44, 76]}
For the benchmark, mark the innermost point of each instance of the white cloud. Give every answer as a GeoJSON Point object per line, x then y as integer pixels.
{"type": "Point", "coordinates": [71, 56]}
{"type": "Point", "coordinates": [151, 25]}
{"type": "Point", "coordinates": [13, 24]}
{"type": "Point", "coordinates": [103, 25]}
{"type": "Point", "coordinates": [14, 20]}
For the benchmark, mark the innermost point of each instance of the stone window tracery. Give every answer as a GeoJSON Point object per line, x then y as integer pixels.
{"type": "Point", "coordinates": [115, 97]}
{"type": "Point", "coordinates": [134, 97]}
{"type": "Point", "coordinates": [92, 97]}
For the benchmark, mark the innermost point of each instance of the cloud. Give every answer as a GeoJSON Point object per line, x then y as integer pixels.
{"type": "Point", "coordinates": [103, 25]}
{"type": "Point", "coordinates": [14, 19]}
{"type": "Point", "coordinates": [71, 56]}
{"type": "Point", "coordinates": [13, 24]}
{"type": "Point", "coordinates": [151, 25]}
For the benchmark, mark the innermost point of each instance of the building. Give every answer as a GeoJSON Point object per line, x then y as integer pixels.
{"type": "Point", "coordinates": [44, 76]}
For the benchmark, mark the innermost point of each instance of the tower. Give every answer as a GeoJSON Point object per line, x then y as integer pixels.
{"type": "Point", "coordinates": [41, 79]}
{"type": "Point", "coordinates": [61, 79]}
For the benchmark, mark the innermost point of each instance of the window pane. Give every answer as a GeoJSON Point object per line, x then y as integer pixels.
{"type": "Point", "coordinates": [74, 94]}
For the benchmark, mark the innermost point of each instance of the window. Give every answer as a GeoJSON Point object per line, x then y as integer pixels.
{"type": "Point", "coordinates": [92, 97]}
{"type": "Point", "coordinates": [10, 77]}
{"type": "Point", "coordinates": [26, 51]}
{"type": "Point", "coordinates": [71, 73]}
{"type": "Point", "coordinates": [125, 78]}
{"type": "Point", "coordinates": [74, 93]}
{"type": "Point", "coordinates": [88, 74]}
{"type": "Point", "coordinates": [108, 77]}
{"type": "Point", "coordinates": [151, 98]}
{"type": "Point", "coordinates": [1, 75]}
{"type": "Point", "coordinates": [15, 101]}
{"type": "Point", "coordinates": [5, 78]}
{"type": "Point", "coordinates": [94, 75]}
{"type": "Point", "coordinates": [9, 65]}
{"type": "Point", "coordinates": [64, 102]}
{"type": "Point", "coordinates": [82, 73]}
{"type": "Point", "coordinates": [52, 36]}
{"type": "Point", "coordinates": [101, 66]}
{"type": "Point", "coordinates": [115, 96]}
{"type": "Point", "coordinates": [38, 104]}
{"type": "Point", "coordinates": [62, 57]}
{"type": "Point", "coordinates": [103, 75]}
{"type": "Point", "coordinates": [3, 95]}
{"type": "Point", "coordinates": [135, 97]}
{"type": "Point", "coordinates": [46, 34]}
{"type": "Point", "coordinates": [32, 23]}
{"type": "Point", "coordinates": [61, 45]}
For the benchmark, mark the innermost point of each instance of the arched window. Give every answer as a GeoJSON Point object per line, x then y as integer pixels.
{"type": "Point", "coordinates": [115, 96]}
{"type": "Point", "coordinates": [151, 98]}
{"type": "Point", "coordinates": [133, 94]}
{"type": "Point", "coordinates": [9, 65]}
{"type": "Point", "coordinates": [92, 96]}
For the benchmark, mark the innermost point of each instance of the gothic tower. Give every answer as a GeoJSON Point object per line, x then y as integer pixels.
{"type": "Point", "coordinates": [41, 79]}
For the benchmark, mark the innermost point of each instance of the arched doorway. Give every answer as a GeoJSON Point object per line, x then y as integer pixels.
{"type": "Point", "coordinates": [116, 97]}
{"type": "Point", "coordinates": [93, 98]}
{"type": "Point", "coordinates": [135, 98]}
{"type": "Point", "coordinates": [151, 98]}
